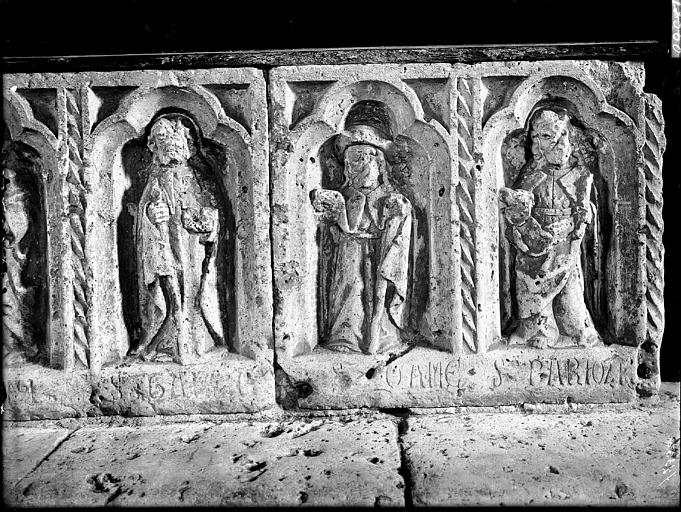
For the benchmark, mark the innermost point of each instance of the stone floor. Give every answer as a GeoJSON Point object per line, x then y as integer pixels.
{"type": "Point", "coordinates": [559, 455]}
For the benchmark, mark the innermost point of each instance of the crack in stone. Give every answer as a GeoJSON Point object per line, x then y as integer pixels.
{"type": "Point", "coordinates": [402, 415]}
{"type": "Point", "coordinates": [47, 456]}
{"type": "Point", "coordinates": [404, 471]}
{"type": "Point", "coordinates": [371, 372]}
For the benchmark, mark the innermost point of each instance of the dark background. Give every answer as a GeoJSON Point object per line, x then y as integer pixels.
{"type": "Point", "coordinates": [62, 28]}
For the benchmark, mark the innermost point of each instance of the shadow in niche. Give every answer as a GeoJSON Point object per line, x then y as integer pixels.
{"type": "Point", "coordinates": [405, 156]}
{"type": "Point", "coordinates": [591, 149]}
{"type": "Point", "coordinates": [25, 284]}
{"type": "Point", "coordinates": [209, 163]}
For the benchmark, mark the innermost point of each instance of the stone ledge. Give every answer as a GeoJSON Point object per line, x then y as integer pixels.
{"type": "Point", "coordinates": [625, 50]}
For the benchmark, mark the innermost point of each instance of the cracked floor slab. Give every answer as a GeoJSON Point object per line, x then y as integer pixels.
{"type": "Point", "coordinates": [601, 457]}
{"type": "Point", "coordinates": [25, 448]}
{"type": "Point", "coordinates": [314, 462]}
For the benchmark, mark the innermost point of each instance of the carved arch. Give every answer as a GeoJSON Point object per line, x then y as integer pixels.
{"type": "Point", "coordinates": [129, 122]}
{"type": "Point", "coordinates": [432, 186]}
{"type": "Point", "coordinates": [585, 101]}
{"type": "Point", "coordinates": [24, 129]}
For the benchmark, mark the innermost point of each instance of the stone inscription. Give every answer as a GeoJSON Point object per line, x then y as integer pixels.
{"type": "Point", "coordinates": [21, 391]}
{"type": "Point", "coordinates": [455, 375]}
{"type": "Point", "coordinates": [191, 385]}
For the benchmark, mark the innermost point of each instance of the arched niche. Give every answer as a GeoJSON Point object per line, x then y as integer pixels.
{"type": "Point", "coordinates": [610, 284]}
{"type": "Point", "coordinates": [33, 148]}
{"type": "Point", "coordinates": [420, 169]}
{"type": "Point", "coordinates": [119, 158]}
{"type": "Point", "coordinates": [25, 285]}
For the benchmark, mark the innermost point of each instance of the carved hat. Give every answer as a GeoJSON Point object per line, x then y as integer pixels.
{"type": "Point", "coordinates": [552, 117]}
{"type": "Point", "coordinates": [179, 123]}
{"type": "Point", "coordinates": [368, 122]}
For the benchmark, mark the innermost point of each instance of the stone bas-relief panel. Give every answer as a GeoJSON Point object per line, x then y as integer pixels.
{"type": "Point", "coordinates": [478, 232]}
{"type": "Point", "coordinates": [154, 190]}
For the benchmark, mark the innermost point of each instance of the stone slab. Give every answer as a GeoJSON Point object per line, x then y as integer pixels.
{"type": "Point", "coordinates": [428, 378]}
{"type": "Point", "coordinates": [598, 458]}
{"type": "Point", "coordinates": [222, 383]}
{"type": "Point", "coordinates": [460, 283]}
{"type": "Point", "coordinates": [318, 462]}
{"type": "Point", "coordinates": [23, 449]}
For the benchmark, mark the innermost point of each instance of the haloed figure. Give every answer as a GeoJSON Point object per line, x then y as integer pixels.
{"type": "Point", "coordinates": [177, 228]}
{"type": "Point", "coordinates": [371, 223]}
{"type": "Point", "coordinates": [547, 213]}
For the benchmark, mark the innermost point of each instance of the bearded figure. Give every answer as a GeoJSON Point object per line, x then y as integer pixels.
{"type": "Point", "coordinates": [547, 212]}
{"type": "Point", "coordinates": [176, 233]}
{"type": "Point", "coordinates": [370, 223]}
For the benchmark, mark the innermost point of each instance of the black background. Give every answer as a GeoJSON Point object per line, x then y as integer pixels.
{"type": "Point", "coordinates": [60, 28]}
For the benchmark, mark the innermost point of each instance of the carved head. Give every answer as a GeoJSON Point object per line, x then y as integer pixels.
{"type": "Point", "coordinates": [170, 141]}
{"type": "Point", "coordinates": [550, 134]}
{"type": "Point", "coordinates": [364, 164]}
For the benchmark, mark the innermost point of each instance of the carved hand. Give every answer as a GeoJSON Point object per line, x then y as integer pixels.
{"type": "Point", "coordinates": [396, 205]}
{"type": "Point", "coordinates": [328, 202]}
{"type": "Point", "coordinates": [158, 213]}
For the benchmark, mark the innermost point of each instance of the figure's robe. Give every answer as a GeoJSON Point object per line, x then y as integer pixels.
{"type": "Point", "coordinates": [546, 266]}
{"type": "Point", "coordinates": [376, 248]}
{"type": "Point", "coordinates": [185, 250]}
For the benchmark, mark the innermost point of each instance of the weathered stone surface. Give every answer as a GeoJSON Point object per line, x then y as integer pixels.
{"type": "Point", "coordinates": [36, 393]}
{"type": "Point", "coordinates": [24, 449]}
{"type": "Point", "coordinates": [405, 272]}
{"type": "Point", "coordinates": [206, 307]}
{"type": "Point", "coordinates": [577, 272]}
{"type": "Point", "coordinates": [317, 462]}
{"type": "Point", "coordinates": [437, 379]}
{"type": "Point", "coordinates": [597, 458]}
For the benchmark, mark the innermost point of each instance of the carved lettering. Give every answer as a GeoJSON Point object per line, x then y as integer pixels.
{"type": "Point", "coordinates": [496, 384]}
{"type": "Point", "coordinates": [435, 371]}
{"type": "Point", "coordinates": [394, 380]}
{"type": "Point", "coordinates": [535, 367]}
{"type": "Point", "coordinates": [450, 373]}
{"type": "Point", "coordinates": [156, 390]}
{"type": "Point", "coordinates": [21, 390]}
{"type": "Point", "coordinates": [572, 371]}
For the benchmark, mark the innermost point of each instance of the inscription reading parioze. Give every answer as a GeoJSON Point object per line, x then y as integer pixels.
{"type": "Point", "coordinates": [579, 371]}
{"type": "Point", "coordinates": [571, 371]}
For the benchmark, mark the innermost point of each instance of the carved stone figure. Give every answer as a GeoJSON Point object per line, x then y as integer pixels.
{"type": "Point", "coordinates": [177, 227]}
{"type": "Point", "coordinates": [23, 282]}
{"type": "Point", "coordinates": [371, 224]}
{"type": "Point", "coordinates": [547, 212]}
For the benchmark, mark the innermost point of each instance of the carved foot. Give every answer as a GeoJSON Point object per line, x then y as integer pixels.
{"type": "Point", "coordinates": [386, 346]}
{"type": "Point", "coordinates": [588, 338]}
{"type": "Point", "coordinates": [341, 345]}
{"type": "Point", "coordinates": [145, 355]}
{"type": "Point", "coordinates": [537, 342]}
{"type": "Point", "coordinates": [514, 339]}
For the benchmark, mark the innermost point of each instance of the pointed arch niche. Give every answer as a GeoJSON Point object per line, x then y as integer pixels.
{"type": "Point", "coordinates": [309, 107]}
{"type": "Point", "coordinates": [119, 157]}
{"type": "Point", "coordinates": [612, 261]}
